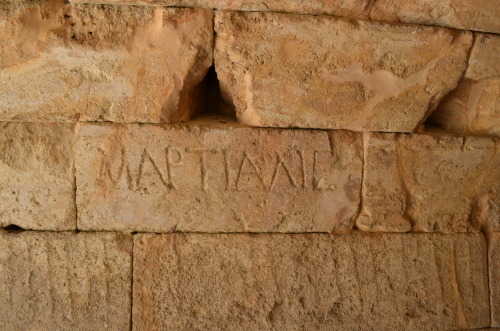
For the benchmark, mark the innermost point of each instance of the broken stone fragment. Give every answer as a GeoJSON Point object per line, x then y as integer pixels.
{"type": "Point", "coordinates": [430, 183]}
{"type": "Point", "coordinates": [479, 15]}
{"type": "Point", "coordinates": [494, 270]}
{"type": "Point", "coordinates": [37, 180]}
{"type": "Point", "coordinates": [65, 281]}
{"type": "Point", "coordinates": [282, 70]}
{"type": "Point", "coordinates": [102, 62]}
{"type": "Point", "coordinates": [208, 177]}
{"type": "Point", "coordinates": [473, 108]}
{"type": "Point", "coordinates": [310, 282]}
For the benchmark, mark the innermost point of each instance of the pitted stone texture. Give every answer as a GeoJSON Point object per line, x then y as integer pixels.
{"type": "Point", "coordinates": [216, 178]}
{"type": "Point", "coordinates": [324, 72]}
{"type": "Point", "coordinates": [310, 282]}
{"type": "Point", "coordinates": [430, 183]}
{"type": "Point", "coordinates": [37, 180]}
{"type": "Point", "coordinates": [65, 281]}
{"type": "Point", "coordinates": [473, 108]}
{"type": "Point", "coordinates": [101, 62]}
{"type": "Point", "coordinates": [348, 8]}
{"type": "Point", "coordinates": [480, 15]}
{"type": "Point", "coordinates": [494, 266]}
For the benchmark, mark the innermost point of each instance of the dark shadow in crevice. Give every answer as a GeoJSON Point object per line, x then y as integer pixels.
{"type": "Point", "coordinates": [214, 106]}
{"type": "Point", "coordinates": [13, 228]}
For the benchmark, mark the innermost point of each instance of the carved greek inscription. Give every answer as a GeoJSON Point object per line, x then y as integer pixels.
{"type": "Point", "coordinates": [175, 168]}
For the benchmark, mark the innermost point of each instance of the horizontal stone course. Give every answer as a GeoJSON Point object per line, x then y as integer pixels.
{"type": "Point", "coordinates": [37, 178]}
{"type": "Point", "coordinates": [430, 183]}
{"type": "Point", "coordinates": [65, 281]}
{"type": "Point", "coordinates": [213, 177]}
{"type": "Point", "coordinates": [310, 282]}
{"type": "Point", "coordinates": [283, 70]}
{"type": "Point", "coordinates": [68, 62]}
{"type": "Point", "coordinates": [479, 15]}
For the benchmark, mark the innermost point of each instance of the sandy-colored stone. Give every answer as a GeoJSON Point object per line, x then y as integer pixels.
{"type": "Point", "coordinates": [479, 15]}
{"type": "Point", "coordinates": [65, 281]}
{"type": "Point", "coordinates": [430, 182]}
{"type": "Point", "coordinates": [101, 62]}
{"type": "Point", "coordinates": [287, 70]}
{"type": "Point", "coordinates": [210, 177]}
{"type": "Point", "coordinates": [310, 282]}
{"type": "Point", "coordinates": [348, 8]}
{"type": "Point", "coordinates": [494, 266]}
{"type": "Point", "coordinates": [473, 108]}
{"type": "Point", "coordinates": [37, 180]}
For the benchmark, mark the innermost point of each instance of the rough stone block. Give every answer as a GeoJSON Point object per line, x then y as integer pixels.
{"type": "Point", "coordinates": [310, 282]}
{"type": "Point", "coordinates": [494, 266]}
{"type": "Point", "coordinates": [286, 70]}
{"type": "Point", "coordinates": [37, 179]}
{"type": "Point", "coordinates": [216, 178]}
{"type": "Point", "coordinates": [65, 281]}
{"type": "Point", "coordinates": [430, 182]}
{"type": "Point", "coordinates": [473, 108]}
{"type": "Point", "coordinates": [479, 15]}
{"type": "Point", "coordinates": [101, 62]}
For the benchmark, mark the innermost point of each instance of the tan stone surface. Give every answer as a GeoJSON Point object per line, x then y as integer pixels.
{"type": "Point", "coordinates": [310, 282]}
{"type": "Point", "coordinates": [349, 8]}
{"type": "Point", "coordinates": [65, 281]}
{"type": "Point", "coordinates": [212, 177]}
{"type": "Point", "coordinates": [480, 15]}
{"type": "Point", "coordinates": [474, 106]}
{"type": "Point", "coordinates": [93, 62]}
{"type": "Point", "coordinates": [37, 180]}
{"type": "Point", "coordinates": [430, 183]}
{"type": "Point", "coordinates": [325, 72]}
{"type": "Point", "coordinates": [494, 266]}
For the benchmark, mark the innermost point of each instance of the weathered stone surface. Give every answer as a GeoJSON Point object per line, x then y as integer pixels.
{"type": "Point", "coordinates": [480, 15]}
{"type": "Point", "coordinates": [494, 266]}
{"type": "Point", "coordinates": [474, 106]}
{"type": "Point", "coordinates": [37, 180]}
{"type": "Point", "coordinates": [429, 183]}
{"type": "Point", "coordinates": [216, 178]}
{"type": "Point", "coordinates": [349, 8]}
{"type": "Point", "coordinates": [65, 281]}
{"type": "Point", "coordinates": [325, 72]}
{"type": "Point", "coordinates": [310, 282]}
{"type": "Point", "coordinates": [101, 62]}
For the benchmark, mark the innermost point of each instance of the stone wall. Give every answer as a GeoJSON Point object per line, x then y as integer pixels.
{"type": "Point", "coordinates": [249, 165]}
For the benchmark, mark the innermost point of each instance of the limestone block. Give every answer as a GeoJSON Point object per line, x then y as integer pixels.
{"type": "Point", "coordinates": [494, 266]}
{"type": "Point", "coordinates": [208, 177]}
{"type": "Point", "coordinates": [65, 281]}
{"type": "Point", "coordinates": [282, 70]}
{"type": "Point", "coordinates": [480, 15]}
{"type": "Point", "coordinates": [430, 183]}
{"type": "Point", "coordinates": [101, 62]}
{"type": "Point", "coordinates": [37, 178]}
{"type": "Point", "coordinates": [473, 108]}
{"type": "Point", "coordinates": [310, 282]}
{"type": "Point", "coordinates": [349, 8]}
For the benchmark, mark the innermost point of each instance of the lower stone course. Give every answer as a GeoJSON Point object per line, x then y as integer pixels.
{"type": "Point", "coordinates": [65, 281]}
{"type": "Point", "coordinates": [494, 268]}
{"type": "Point", "coordinates": [310, 282]}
